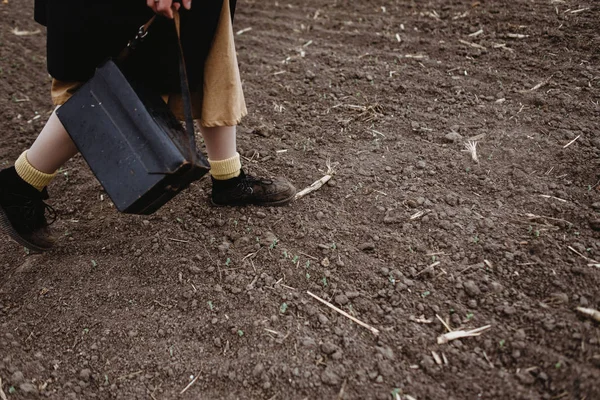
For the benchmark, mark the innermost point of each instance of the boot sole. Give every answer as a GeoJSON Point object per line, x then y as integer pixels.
{"type": "Point", "coordinates": [269, 204]}
{"type": "Point", "coordinates": [6, 227]}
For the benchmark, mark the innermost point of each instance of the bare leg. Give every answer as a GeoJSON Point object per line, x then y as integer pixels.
{"type": "Point", "coordinates": [52, 148]}
{"type": "Point", "coordinates": [220, 142]}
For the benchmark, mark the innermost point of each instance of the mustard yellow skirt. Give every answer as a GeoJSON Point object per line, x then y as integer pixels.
{"type": "Point", "coordinates": [221, 101]}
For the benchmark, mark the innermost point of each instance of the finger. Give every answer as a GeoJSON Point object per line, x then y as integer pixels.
{"type": "Point", "coordinates": [187, 4]}
{"type": "Point", "coordinates": [153, 4]}
{"type": "Point", "coordinates": [163, 7]}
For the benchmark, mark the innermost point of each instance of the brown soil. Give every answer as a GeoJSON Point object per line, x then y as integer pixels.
{"type": "Point", "coordinates": [129, 307]}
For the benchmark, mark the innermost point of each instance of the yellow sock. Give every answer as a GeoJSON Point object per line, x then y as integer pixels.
{"type": "Point", "coordinates": [225, 169]}
{"type": "Point", "coordinates": [29, 174]}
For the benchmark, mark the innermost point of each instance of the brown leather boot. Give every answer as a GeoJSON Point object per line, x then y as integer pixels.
{"type": "Point", "coordinates": [247, 189]}
{"type": "Point", "coordinates": [23, 212]}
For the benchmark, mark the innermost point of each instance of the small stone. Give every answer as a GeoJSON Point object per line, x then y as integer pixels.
{"type": "Point", "coordinates": [386, 351]}
{"type": "Point", "coordinates": [421, 164]}
{"type": "Point", "coordinates": [520, 334]}
{"type": "Point", "coordinates": [549, 325]}
{"type": "Point", "coordinates": [526, 378]}
{"type": "Point", "coordinates": [329, 377]}
{"type": "Point", "coordinates": [453, 137]}
{"type": "Point", "coordinates": [369, 246]}
{"type": "Point", "coordinates": [596, 206]}
{"type": "Point", "coordinates": [223, 247]}
{"type": "Point", "coordinates": [320, 215]}
{"type": "Point", "coordinates": [17, 378]}
{"type": "Point", "coordinates": [560, 297]}
{"type": "Point", "coordinates": [261, 214]}
{"type": "Point", "coordinates": [85, 374]}
{"type": "Point", "coordinates": [329, 348]}
{"type": "Point", "coordinates": [509, 310]}
{"type": "Point", "coordinates": [451, 200]}
{"type": "Point", "coordinates": [258, 370]}
{"type": "Point", "coordinates": [323, 319]}
{"type": "Point", "coordinates": [325, 262]}
{"type": "Point", "coordinates": [194, 270]}
{"type": "Point", "coordinates": [341, 299]}
{"type": "Point", "coordinates": [496, 287]}
{"type": "Point", "coordinates": [28, 388]}
{"type": "Point", "coordinates": [471, 288]}
{"type": "Point", "coordinates": [583, 301]}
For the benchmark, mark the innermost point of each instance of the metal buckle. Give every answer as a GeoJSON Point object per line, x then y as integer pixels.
{"type": "Point", "coordinates": [142, 33]}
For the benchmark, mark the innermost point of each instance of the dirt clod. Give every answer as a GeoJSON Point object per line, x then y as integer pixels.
{"type": "Point", "coordinates": [341, 299]}
{"type": "Point", "coordinates": [17, 378]}
{"type": "Point", "coordinates": [85, 374]}
{"type": "Point", "coordinates": [28, 388]}
{"type": "Point", "coordinates": [368, 246]}
{"type": "Point", "coordinates": [471, 288]}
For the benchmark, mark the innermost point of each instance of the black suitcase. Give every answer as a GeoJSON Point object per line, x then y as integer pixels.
{"type": "Point", "coordinates": [131, 140]}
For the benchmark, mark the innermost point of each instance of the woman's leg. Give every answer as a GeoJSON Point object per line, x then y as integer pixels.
{"type": "Point", "coordinates": [22, 195]}
{"type": "Point", "coordinates": [52, 148]}
{"type": "Point", "coordinates": [220, 142]}
{"type": "Point", "coordinates": [222, 152]}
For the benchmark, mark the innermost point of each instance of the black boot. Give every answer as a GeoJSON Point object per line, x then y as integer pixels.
{"type": "Point", "coordinates": [247, 189]}
{"type": "Point", "coordinates": [22, 212]}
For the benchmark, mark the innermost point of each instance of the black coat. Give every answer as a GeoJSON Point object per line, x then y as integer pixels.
{"type": "Point", "coordinates": [81, 34]}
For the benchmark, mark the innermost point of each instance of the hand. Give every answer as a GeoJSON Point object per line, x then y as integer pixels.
{"type": "Point", "coordinates": [165, 7]}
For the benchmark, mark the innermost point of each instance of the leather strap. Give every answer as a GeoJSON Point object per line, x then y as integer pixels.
{"type": "Point", "coordinates": [183, 79]}
{"type": "Point", "coordinates": [186, 97]}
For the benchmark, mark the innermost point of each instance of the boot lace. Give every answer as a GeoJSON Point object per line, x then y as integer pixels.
{"type": "Point", "coordinates": [34, 212]}
{"type": "Point", "coordinates": [247, 183]}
